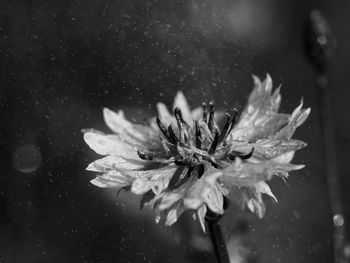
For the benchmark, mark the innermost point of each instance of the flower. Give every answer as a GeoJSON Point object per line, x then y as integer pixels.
{"type": "Point", "coordinates": [184, 161]}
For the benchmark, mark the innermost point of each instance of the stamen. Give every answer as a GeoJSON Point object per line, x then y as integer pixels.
{"type": "Point", "coordinates": [233, 155]}
{"type": "Point", "coordinates": [172, 135]}
{"type": "Point", "coordinates": [226, 127]}
{"type": "Point", "coordinates": [211, 116]}
{"type": "Point", "coordinates": [232, 124]}
{"type": "Point", "coordinates": [182, 162]}
{"type": "Point", "coordinates": [164, 131]}
{"type": "Point", "coordinates": [247, 156]}
{"type": "Point", "coordinates": [144, 156]}
{"type": "Point", "coordinates": [205, 112]}
{"type": "Point", "coordinates": [198, 135]}
{"type": "Point", "coordinates": [214, 144]}
{"type": "Point", "coordinates": [180, 121]}
{"type": "Point", "coordinates": [178, 115]}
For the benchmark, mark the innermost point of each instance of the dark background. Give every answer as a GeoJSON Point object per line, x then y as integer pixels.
{"type": "Point", "coordinates": [61, 62]}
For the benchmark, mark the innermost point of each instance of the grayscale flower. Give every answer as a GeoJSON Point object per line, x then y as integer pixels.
{"type": "Point", "coordinates": [184, 161]}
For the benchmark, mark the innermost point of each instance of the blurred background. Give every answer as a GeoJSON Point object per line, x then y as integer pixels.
{"type": "Point", "coordinates": [61, 62]}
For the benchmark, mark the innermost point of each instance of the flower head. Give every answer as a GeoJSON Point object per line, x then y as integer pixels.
{"type": "Point", "coordinates": [185, 161]}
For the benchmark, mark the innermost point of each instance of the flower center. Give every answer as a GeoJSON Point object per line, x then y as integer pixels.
{"type": "Point", "coordinates": [199, 143]}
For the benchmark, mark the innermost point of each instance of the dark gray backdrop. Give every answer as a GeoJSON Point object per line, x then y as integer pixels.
{"type": "Point", "coordinates": [61, 62]}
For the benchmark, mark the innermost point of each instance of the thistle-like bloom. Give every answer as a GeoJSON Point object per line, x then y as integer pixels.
{"type": "Point", "coordinates": [185, 161]}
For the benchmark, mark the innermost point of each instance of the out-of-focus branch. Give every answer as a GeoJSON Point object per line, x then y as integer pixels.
{"type": "Point", "coordinates": [321, 45]}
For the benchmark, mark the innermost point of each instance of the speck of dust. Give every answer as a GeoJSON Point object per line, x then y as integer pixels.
{"type": "Point", "coordinates": [26, 158]}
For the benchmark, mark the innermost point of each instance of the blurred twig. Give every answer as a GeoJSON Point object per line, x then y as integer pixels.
{"type": "Point", "coordinates": [321, 45]}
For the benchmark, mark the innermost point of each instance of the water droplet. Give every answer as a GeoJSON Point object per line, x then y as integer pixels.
{"type": "Point", "coordinates": [338, 220]}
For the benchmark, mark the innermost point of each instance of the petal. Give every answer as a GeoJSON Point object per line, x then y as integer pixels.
{"type": "Point", "coordinates": [141, 186]}
{"type": "Point", "coordinates": [136, 134]}
{"type": "Point", "coordinates": [205, 191]}
{"type": "Point", "coordinates": [174, 214]}
{"type": "Point", "coordinates": [110, 145]}
{"type": "Point", "coordinates": [181, 103]}
{"type": "Point", "coordinates": [197, 114]}
{"type": "Point", "coordinates": [257, 206]}
{"type": "Point", "coordinates": [298, 116]}
{"type": "Point", "coordinates": [245, 174]}
{"type": "Point", "coordinates": [116, 121]}
{"type": "Point", "coordinates": [104, 184]}
{"type": "Point", "coordinates": [267, 149]}
{"type": "Point", "coordinates": [155, 179]}
{"type": "Point", "coordinates": [260, 118]}
{"type": "Point", "coordinates": [248, 174]}
{"type": "Point", "coordinates": [215, 201]}
{"type": "Point", "coordinates": [111, 179]}
{"type": "Point", "coordinates": [114, 162]}
{"type": "Point", "coordinates": [154, 174]}
{"type": "Point", "coordinates": [164, 114]}
{"type": "Point", "coordinates": [264, 188]}
{"type": "Point", "coordinates": [201, 216]}
{"type": "Point", "coordinates": [285, 158]}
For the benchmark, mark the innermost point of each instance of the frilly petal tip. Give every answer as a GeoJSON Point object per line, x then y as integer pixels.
{"type": "Point", "coordinates": [256, 79]}
{"type": "Point", "coordinates": [91, 168]}
{"type": "Point", "coordinates": [299, 166]}
{"type": "Point", "coordinates": [108, 114]}
{"type": "Point", "coordinates": [268, 81]}
{"type": "Point", "coordinates": [98, 183]}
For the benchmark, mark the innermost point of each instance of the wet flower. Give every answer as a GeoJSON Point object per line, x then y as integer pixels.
{"type": "Point", "coordinates": [185, 161]}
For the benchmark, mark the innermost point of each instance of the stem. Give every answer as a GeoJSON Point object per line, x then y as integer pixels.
{"type": "Point", "coordinates": [216, 237]}
{"type": "Point", "coordinates": [321, 45]}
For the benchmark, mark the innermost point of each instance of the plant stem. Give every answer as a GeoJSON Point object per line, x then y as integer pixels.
{"type": "Point", "coordinates": [321, 45]}
{"type": "Point", "coordinates": [216, 237]}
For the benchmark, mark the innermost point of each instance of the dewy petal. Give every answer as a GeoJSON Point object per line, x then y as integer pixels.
{"type": "Point", "coordinates": [114, 162]}
{"type": "Point", "coordinates": [298, 116]}
{"type": "Point", "coordinates": [264, 188]}
{"type": "Point", "coordinates": [197, 113]}
{"type": "Point", "coordinates": [174, 213]}
{"type": "Point", "coordinates": [245, 174]}
{"type": "Point", "coordinates": [110, 145]}
{"type": "Point", "coordinates": [205, 191]}
{"type": "Point", "coordinates": [201, 216]}
{"type": "Point", "coordinates": [155, 179]}
{"type": "Point", "coordinates": [285, 158]}
{"type": "Point", "coordinates": [141, 186]}
{"type": "Point", "coordinates": [136, 134]}
{"type": "Point", "coordinates": [248, 174]}
{"type": "Point", "coordinates": [164, 114]}
{"type": "Point", "coordinates": [116, 121]}
{"type": "Point", "coordinates": [257, 206]}
{"type": "Point", "coordinates": [259, 118]}
{"type": "Point", "coordinates": [181, 103]}
{"type": "Point", "coordinates": [267, 149]}
{"type": "Point", "coordinates": [112, 179]}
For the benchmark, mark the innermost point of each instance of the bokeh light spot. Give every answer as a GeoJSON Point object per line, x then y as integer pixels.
{"type": "Point", "coordinates": [26, 158]}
